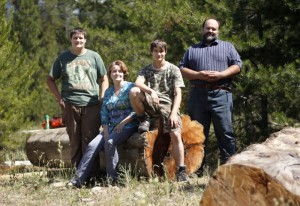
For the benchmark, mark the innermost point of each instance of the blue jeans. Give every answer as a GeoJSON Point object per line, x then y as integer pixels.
{"type": "Point", "coordinates": [214, 106]}
{"type": "Point", "coordinates": [95, 146]}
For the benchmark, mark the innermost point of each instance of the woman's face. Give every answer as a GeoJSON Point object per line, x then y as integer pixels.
{"type": "Point", "coordinates": [116, 73]}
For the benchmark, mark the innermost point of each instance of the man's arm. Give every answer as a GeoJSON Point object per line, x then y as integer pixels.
{"type": "Point", "coordinates": [140, 83]}
{"type": "Point", "coordinates": [177, 100]}
{"type": "Point", "coordinates": [210, 76]}
{"type": "Point", "coordinates": [104, 85]}
{"type": "Point", "coordinates": [173, 118]}
{"type": "Point", "coordinates": [53, 88]}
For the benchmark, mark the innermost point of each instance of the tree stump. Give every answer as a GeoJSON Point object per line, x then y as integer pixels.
{"type": "Point", "coordinates": [147, 154]}
{"type": "Point", "coordinates": [263, 174]}
{"type": "Point", "coordinates": [50, 147]}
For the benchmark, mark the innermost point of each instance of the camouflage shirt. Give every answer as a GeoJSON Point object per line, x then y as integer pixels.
{"type": "Point", "coordinates": [163, 81]}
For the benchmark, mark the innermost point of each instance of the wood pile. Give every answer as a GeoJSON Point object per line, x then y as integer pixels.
{"type": "Point", "coordinates": [146, 154]}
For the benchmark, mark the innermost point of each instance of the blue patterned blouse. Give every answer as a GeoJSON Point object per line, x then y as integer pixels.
{"type": "Point", "coordinates": [116, 108]}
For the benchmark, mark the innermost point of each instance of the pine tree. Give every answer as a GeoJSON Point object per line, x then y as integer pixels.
{"type": "Point", "coordinates": [16, 80]}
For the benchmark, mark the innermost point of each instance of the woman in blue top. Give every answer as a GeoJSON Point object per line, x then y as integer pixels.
{"type": "Point", "coordinates": [118, 122]}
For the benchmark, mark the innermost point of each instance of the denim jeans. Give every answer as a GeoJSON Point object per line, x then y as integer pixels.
{"type": "Point", "coordinates": [111, 152]}
{"type": "Point", "coordinates": [95, 146]}
{"type": "Point", "coordinates": [214, 106]}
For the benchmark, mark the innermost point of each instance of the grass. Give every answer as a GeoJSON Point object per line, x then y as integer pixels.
{"type": "Point", "coordinates": [32, 185]}
{"type": "Point", "coordinates": [28, 187]}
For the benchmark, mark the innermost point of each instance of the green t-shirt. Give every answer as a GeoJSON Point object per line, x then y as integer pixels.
{"type": "Point", "coordinates": [80, 77]}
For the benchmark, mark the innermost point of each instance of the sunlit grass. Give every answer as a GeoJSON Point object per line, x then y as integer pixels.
{"type": "Point", "coordinates": [40, 188]}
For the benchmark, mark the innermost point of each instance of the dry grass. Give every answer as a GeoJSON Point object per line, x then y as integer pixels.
{"type": "Point", "coordinates": [40, 188]}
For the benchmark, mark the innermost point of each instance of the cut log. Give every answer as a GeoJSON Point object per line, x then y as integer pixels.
{"type": "Point", "coordinates": [263, 174]}
{"type": "Point", "coordinates": [147, 154]}
{"type": "Point", "coordinates": [49, 148]}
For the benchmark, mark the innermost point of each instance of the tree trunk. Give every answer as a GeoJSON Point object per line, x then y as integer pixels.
{"type": "Point", "coordinates": [263, 174]}
{"type": "Point", "coordinates": [146, 154]}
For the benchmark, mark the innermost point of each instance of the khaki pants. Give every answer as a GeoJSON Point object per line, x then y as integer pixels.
{"type": "Point", "coordinates": [83, 124]}
{"type": "Point", "coordinates": [163, 111]}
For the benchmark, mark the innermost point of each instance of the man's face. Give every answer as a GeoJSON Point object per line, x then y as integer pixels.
{"type": "Point", "coordinates": [158, 54]}
{"type": "Point", "coordinates": [210, 30]}
{"type": "Point", "coordinates": [78, 41]}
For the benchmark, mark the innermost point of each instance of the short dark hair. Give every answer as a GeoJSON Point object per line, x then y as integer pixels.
{"type": "Point", "coordinates": [78, 30]}
{"type": "Point", "coordinates": [123, 67]}
{"type": "Point", "coordinates": [214, 18]}
{"type": "Point", "coordinates": [158, 43]}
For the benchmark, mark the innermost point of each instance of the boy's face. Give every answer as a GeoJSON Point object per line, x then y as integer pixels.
{"type": "Point", "coordinates": [78, 40]}
{"type": "Point", "coordinates": [158, 54]}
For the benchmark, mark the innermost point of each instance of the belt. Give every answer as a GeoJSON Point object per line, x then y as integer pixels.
{"type": "Point", "coordinates": [211, 87]}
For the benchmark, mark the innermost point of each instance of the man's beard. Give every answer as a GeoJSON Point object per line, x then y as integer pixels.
{"type": "Point", "coordinates": [208, 38]}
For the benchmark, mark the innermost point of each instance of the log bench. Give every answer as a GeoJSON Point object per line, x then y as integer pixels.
{"type": "Point", "coordinates": [147, 154]}
{"type": "Point", "coordinates": [263, 174]}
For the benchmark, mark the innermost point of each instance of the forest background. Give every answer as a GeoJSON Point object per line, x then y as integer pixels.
{"type": "Point", "coordinates": [265, 33]}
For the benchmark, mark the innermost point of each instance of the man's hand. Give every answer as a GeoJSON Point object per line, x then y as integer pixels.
{"type": "Point", "coordinates": [154, 97]}
{"type": "Point", "coordinates": [210, 76]}
{"type": "Point", "coordinates": [173, 121]}
{"type": "Point", "coordinates": [62, 104]}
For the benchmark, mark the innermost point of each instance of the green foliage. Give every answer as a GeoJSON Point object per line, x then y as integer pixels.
{"type": "Point", "coordinates": [264, 32]}
{"type": "Point", "coordinates": [15, 79]}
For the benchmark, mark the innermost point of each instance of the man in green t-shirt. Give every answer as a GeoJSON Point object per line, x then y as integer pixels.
{"type": "Point", "coordinates": [81, 72]}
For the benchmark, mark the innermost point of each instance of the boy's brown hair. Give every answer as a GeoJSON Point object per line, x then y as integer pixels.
{"type": "Point", "coordinates": [78, 30]}
{"type": "Point", "coordinates": [158, 43]}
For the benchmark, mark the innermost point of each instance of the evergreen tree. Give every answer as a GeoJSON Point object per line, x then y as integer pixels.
{"type": "Point", "coordinates": [16, 80]}
{"type": "Point", "coordinates": [264, 33]}
{"type": "Point", "coordinates": [43, 30]}
{"type": "Point", "coordinates": [267, 42]}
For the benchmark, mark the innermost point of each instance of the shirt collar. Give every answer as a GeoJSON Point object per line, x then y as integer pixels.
{"type": "Point", "coordinates": [202, 43]}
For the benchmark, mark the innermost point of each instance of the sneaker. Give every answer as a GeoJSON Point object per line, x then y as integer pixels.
{"type": "Point", "coordinates": [73, 184]}
{"type": "Point", "coordinates": [181, 174]}
{"type": "Point", "coordinates": [144, 126]}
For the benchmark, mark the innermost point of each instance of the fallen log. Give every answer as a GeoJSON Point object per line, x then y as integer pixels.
{"type": "Point", "coordinates": [263, 174]}
{"type": "Point", "coordinates": [49, 147]}
{"type": "Point", "coordinates": [147, 154]}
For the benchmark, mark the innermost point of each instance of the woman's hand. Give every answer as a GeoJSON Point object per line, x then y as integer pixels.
{"type": "Point", "coordinates": [119, 127]}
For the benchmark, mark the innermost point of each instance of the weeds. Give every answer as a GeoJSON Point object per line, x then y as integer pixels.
{"type": "Point", "coordinates": [41, 188]}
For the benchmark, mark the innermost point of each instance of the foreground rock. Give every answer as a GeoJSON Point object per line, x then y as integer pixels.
{"type": "Point", "coordinates": [263, 174]}
{"type": "Point", "coordinates": [146, 154]}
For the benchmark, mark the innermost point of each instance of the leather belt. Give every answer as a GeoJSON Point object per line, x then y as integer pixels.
{"type": "Point", "coordinates": [211, 87]}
